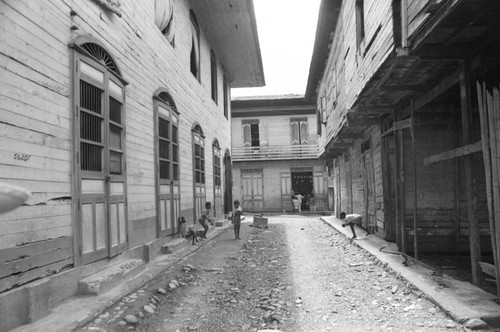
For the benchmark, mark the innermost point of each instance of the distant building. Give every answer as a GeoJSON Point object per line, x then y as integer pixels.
{"type": "Point", "coordinates": [116, 116]}
{"type": "Point", "coordinates": [275, 154]}
{"type": "Point", "coordinates": [405, 92]}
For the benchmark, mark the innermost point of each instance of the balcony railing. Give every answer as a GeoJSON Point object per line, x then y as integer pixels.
{"type": "Point", "coordinates": [275, 152]}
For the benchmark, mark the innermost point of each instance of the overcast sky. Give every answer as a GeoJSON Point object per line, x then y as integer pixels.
{"type": "Point", "coordinates": [286, 31]}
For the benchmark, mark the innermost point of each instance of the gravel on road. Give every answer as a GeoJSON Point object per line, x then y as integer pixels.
{"type": "Point", "coordinates": [297, 275]}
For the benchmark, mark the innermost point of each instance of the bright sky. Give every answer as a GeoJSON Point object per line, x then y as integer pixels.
{"type": "Point", "coordinates": [286, 31]}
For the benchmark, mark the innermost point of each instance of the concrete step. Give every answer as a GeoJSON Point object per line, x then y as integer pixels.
{"type": "Point", "coordinates": [174, 245]}
{"type": "Point", "coordinates": [108, 278]}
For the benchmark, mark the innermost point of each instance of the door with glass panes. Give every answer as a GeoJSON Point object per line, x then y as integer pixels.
{"type": "Point", "coordinates": [100, 155]}
{"type": "Point", "coordinates": [167, 165]}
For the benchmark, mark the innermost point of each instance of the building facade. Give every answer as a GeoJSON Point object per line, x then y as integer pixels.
{"type": "Point", "coordinates": [403, 90]}
{"type": "Point", "coordinates": [275, 154]}
{"type": "Point", "coordinates": [116, 116]}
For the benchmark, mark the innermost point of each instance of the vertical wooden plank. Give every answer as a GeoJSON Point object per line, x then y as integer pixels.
{"type": "Point", "coordinates": [122, 223]}
{"type": "Point", "coordinates": [87, 221]}
{"type": "Point", "coordinates": [402, 200]}
{"type": "Point", "coordinates": [113, 224]}
{"type": "Point", "coordinates": [465, 99]}
{"type": "Point", "coordinates": [414, 166]}
{"type": "Point", "coordinates": [100, 226]}
{"type": "Point", "coordinates": [495, 146]}
{"type": "Point", "coordinates": [485, 137]}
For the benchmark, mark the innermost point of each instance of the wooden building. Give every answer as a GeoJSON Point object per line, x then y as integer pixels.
{"type": "Point", "coordinates": [115, 114]}
{"type": "Point", "coordinates": [406, 92]}
{"type": "Point", "coordinates": [275, 154]}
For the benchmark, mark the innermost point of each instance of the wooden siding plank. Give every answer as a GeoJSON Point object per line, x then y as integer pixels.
{"type": "Point", "coordinates": [21, 259]}
{"type": "Point", "coordinates": [454, 153]}
{"type": "Point", "coordinates": [30, 275]}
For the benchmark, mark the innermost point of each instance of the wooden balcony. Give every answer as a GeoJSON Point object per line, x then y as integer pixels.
{"type": "Point", "coordinates": [275, 152]}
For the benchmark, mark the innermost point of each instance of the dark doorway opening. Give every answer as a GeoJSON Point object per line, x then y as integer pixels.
{"type": "Point", "coordinates": [302, 182]}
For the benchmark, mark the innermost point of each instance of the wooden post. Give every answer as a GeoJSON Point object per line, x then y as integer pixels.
{"type": "Point", "coordinates": [456, 163]}
{"type": "Point", "coordinates": [495, 167]}
{"type": "Point", "coordinates": [415, 197]}
{"type": "Point", "coordinates": [397, 220]}
{"type": "Point", "coordinates": [465, 98]}
{"type": "Point", "coordinates": [485, 140]}
{"type": "Point", "coordinates": [496, 180]}
{"type": "Point", "coordinates": [404, 23]}
{"type": "Point", "coordinates": [401, 181]}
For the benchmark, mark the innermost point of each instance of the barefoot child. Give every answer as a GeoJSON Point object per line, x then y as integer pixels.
{"type": "Point", "coordinates": [238, 211]}
{"type": "Point", "coordinates": [205, 216]}
{"type": "Point", "coordinates": [351, 220]}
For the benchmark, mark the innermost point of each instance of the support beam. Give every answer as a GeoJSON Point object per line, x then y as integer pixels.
{"type": "Point", "coordinates": [466, 111]}
{"type": "Point", "coordinates": [405, 87]}
{"type": "Point", "coordinates": [436, 91]}
{"type": "Point", "coordinates": [454, 153]}
{"type": "Point", "coordinates": [363, 122]}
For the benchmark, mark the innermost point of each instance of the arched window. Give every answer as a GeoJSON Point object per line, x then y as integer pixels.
{"type": "Point", "coordinates": [195, 46]}
{"type": "Point", "coordinates": [99, 144]}
{"type": "Point", "coordinates": [167, 163]}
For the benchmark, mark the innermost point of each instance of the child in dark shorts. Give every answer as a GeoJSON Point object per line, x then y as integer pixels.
{"type": "Point", "coordinates": [205, 216]}
{"type": "Point", "coordinates": [238, 211]}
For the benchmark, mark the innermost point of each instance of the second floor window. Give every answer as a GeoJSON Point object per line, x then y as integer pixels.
{"type": "Point", "coordinates": [226, 97]}
{"type": "Point", "coordinates": [195, 46]}
{"type": "Point", "coordinates": [251, 135]}
{"type": "Point", "coordinates": [299, 130]}
{"type": "Point", "coordinates": [213, 73]}
{"type": "Point", "coordinates": [360, 22]}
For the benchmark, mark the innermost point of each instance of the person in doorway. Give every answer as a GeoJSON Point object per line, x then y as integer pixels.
{"type": "Point", "coordinates": [295, 201]}
{"type": "Point", "coordinates": [204, 218]}
{"type": "Point", "coordinates": [299, 201]}
{"type": "Point", "coordinates": [351, 220]}
{"type": "Point", "coordinates": [238, 211]}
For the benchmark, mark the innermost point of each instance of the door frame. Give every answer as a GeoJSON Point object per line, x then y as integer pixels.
{"type": "Point", "coordinates": [113, 85]}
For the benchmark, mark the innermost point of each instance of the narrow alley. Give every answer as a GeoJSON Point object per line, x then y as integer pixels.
{"type": "Point", "coordinates": [298, 275]}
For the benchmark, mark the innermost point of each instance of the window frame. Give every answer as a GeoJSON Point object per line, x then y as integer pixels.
{"type": "Point", "coordinates": [199, 140]}
{"type": "Point", "coordinates": [173, 120]}
{"type": "Point", "coordinates": [108, 77]}
{"type": "Point", "coordinates": [213, 77]}
{"type": "Point", "coordinates": [225, 87]}
{"type": "Point", "coordinates": [195, 46]}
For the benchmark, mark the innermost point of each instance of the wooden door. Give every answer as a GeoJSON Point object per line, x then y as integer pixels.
{"type": "Point", "coordinates": [286, 192]}
{"type": "Point", "coordinates": [369, 220]}
{"type": "Point", "coordinates": [167, 165]}
{"type": "Point", "coordinates": [252, 188]}
{"type": "Point", "coordinates": [320, 197]}
{"type": "Point", "coordinates": [217, 206]}
{"type": "Point", "coordinates": [100, 150]}
{"type": "Point", "coordinates": [228, 183]}
{"type": "Point", "coordinates": [389, 178]}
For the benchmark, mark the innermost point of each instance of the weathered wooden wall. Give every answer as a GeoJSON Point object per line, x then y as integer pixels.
{"type": "Point", "coordinates": [350, 67]}
{"type": "Point", "coordinates": [35, 120]}
{"type": "Point", "coordinates": [442, 217]}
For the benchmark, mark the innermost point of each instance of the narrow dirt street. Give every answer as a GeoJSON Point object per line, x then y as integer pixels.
{"type": "Point", "coordinates": [297, 275]}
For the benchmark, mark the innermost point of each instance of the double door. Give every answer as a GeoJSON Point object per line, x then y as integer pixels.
{"type": "Point", "coordinates": [100, 161]}
{"type": "Point", "coordinates": [252, 188]}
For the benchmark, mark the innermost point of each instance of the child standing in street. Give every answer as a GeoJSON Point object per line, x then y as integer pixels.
{"type": "Point", "coordinates": [205, 216]}
{"type": "Point", "coordinates": [238, 211]}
